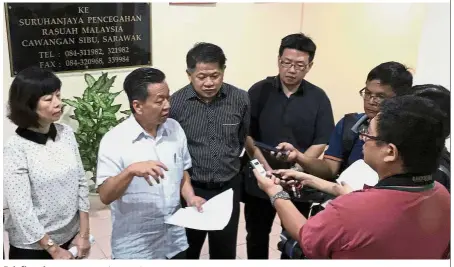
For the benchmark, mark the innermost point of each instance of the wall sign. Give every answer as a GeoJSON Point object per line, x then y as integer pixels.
{"type": "Point", "coordinates": [78, 36]}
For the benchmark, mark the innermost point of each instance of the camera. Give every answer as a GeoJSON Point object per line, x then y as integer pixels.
{"type": "Point", "coordinates": [290, 247]}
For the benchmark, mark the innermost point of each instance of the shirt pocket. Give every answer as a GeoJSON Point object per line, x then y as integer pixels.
{"type": "Point", "coordinates": [230, 133]}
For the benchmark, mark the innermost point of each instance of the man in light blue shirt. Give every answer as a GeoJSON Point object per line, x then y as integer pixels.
{"type": "Point", "coordinates": [146, 145]}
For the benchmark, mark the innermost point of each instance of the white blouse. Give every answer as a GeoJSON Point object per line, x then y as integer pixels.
{"type": "Point", "coordinates": [44, 186]}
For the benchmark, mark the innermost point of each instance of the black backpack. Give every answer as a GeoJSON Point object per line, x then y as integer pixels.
{"type": "Point", "coordinates": [348, 138]}
{"type": "Point", "coordinates": [443, 173]}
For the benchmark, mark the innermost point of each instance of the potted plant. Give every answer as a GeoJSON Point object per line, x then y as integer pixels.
{"type": "Point", "coordinates": [96, 115]}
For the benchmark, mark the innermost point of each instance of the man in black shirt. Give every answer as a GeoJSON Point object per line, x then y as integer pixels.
{"type": "Point", "coordinates": [215, 117]}
{"type": "Point", "coordinates": [284, 108]}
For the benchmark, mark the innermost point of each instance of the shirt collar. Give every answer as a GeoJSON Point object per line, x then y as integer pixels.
{"type": "Point", "coordinates": [136, 131]}
{"type": "Point", "coordinates": [300, 89]}
{"type": "Point", "coordinates": [192, 94]}
{"type": "Point", "coordinates": [39, 138]}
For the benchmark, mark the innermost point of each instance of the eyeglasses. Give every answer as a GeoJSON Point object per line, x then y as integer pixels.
{"type": "Point", "coordinates": [365, 136]}
{"type": "Point", "coordinates": [298, 66]}
{"type": "Point", "coordinates": [366, 95]}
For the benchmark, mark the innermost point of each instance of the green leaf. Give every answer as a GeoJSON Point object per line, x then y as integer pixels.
{"type": "Point", "coordinates": [72, 103]}
{"type": "Point", "coordinates": [108, 115]}
{"type": "Point", "coordinates": [126, 112]}
{"type": "Point", "coordinates": [102, 130]}
{"type": "Point", "coordinates": [113, 109]}
{"type": "Point", "coordinates": [87, 95]}
{"type": "Point", "coordinates": [106, 86]}
{"type": "Point", "coordinates": [99, 101]}
{"type": "Point", "coordinates": [89, 80]}
{"type": "Point", "coordinates": [87, 106]}
{"type": "Point", "coordinates": [81, 138]}
{"type": "Point", "coordinates": [111, 97]}
{"type": "Point", "coordinates": [86, 122]}
{"type": "Point", "coordinates": [101, 81]}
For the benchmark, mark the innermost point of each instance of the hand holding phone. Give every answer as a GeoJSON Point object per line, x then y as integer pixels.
{"type": "Point", "coordinates": [259, 167]}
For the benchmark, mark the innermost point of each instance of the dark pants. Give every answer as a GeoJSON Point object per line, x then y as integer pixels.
{"type": "Point", "coordinates": [259, 215]}
{"type": "Point", "coordinates": [31, 254]}
{"type": "Point", "coordinates": [179, 256]}
{"type": "Point", "coordinates": [222, 243]}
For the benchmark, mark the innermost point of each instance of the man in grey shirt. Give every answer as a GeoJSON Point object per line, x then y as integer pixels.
{"type": "Point", "coordinates": [215, 117]}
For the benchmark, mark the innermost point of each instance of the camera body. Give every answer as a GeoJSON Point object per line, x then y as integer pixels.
{"type": "Point", "coordinates": [290, 247]}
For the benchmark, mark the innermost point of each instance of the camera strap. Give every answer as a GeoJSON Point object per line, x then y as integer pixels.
{"type": "Point", "coordinates": [407, 182]}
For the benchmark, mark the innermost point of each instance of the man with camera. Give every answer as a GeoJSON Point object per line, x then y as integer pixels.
{"type": "Point", "coordinates": [405, 216]}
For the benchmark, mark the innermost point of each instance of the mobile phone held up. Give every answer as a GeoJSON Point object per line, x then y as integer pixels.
{"type": "Point", "coordinates": [266, 147]}
{"type": "Point", "coordinates": [258, 166]}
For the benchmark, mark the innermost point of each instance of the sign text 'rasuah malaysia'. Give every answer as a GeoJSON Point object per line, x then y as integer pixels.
{"type": "Point", "coordinates": [78, 36]}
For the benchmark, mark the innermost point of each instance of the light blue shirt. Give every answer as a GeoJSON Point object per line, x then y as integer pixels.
{"type": "Point", "coordinates": [138, 228]}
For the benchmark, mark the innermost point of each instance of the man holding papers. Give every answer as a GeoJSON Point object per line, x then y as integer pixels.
{"type": "Point", "coordinates": [142, 171]}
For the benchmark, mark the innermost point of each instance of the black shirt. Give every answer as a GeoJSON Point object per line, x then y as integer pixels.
{"type": "Point", "coordinates": [303, 119]}
{"type": "Point", "coordinates": [216, 131]}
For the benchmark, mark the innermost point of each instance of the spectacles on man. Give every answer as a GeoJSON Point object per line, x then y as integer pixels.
{"type": "Point", "coordinates": [366, 95]}
{"type": "Point", "coordinates": [365, 136]}
{"type": "Point", "coordinates": [299, 66]}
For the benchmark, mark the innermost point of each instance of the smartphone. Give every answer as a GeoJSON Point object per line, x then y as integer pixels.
{"type": "Point", "coordinates": [266, 147]}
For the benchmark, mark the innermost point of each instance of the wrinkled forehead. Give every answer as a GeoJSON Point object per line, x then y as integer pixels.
{"type": "Point", "coordinates": [207, 69]}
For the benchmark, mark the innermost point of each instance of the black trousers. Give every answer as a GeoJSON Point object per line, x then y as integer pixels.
{"type": "Point", "coordinates": [222, 243]}
{"type": "Point", "coordinates": [31, 254]}
{"type": "Point", "coordinates": [179, 256]}
{"type": "Point", "coordinates": [259, 215]}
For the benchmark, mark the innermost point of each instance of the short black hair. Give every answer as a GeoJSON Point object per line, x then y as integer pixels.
{"type": "Point", "coordinates": [205, 53]}
{"type": "Point", "coordinates": [27, 88]}
{"type": "Point", "coordinates": [415, 126]}
{"type": "Point", "coordinates": [441, 96]}
{"type": "Point", "coordinates": [393, 74]}
{"type": "Point", "coordinates": [136, 83]}
{"type": "Point", "coordinates": [300, 42]}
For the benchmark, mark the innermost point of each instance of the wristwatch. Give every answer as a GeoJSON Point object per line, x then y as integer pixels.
{"type": "Point", "coordinates": [281, 195]}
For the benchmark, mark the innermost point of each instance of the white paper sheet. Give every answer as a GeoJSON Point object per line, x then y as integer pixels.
{"type": "Point", "coordinates": [215, 216]}
{"type": "Point", "coordinates": [358, 174]}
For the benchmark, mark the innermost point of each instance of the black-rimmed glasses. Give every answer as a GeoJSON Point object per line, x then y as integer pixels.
{"type": "Point", "coordinates": [366, 95]}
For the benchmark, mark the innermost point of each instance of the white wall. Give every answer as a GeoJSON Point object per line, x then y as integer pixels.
{"type": "Point", "coordinates": [248, 33]}
{"type": "Point", "coordinates": [434, 47]}
{"type": "Point", "coordinates": [353, 38]}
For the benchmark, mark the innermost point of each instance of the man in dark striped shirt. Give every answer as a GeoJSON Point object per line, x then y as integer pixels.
{"type": "Point", "coordinates": [215, 117]}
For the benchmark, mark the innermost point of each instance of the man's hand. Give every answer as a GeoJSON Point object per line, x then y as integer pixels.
{"type": "Point", "coordinates": [197, 202]}
{"type": "Point", "coordinates": [83, 246]}
{"type": "Point", "coordinates": [295, 177]}
{"type": "Point", "coordinates": [342, 189]}
{"type": "Point", "coordinates": [149, 168]}
{"type": "Point", "coordinates": [58, 253]}
{"type": "Point", "coordinates": [270, 185]}
{"type": "Point", "coordinates": [289, 152]}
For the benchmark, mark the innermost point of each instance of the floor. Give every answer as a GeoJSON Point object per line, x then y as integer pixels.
{"type": "Point", "coordinates": [101, 229]}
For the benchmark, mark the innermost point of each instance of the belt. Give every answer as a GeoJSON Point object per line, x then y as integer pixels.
{"type": "Point", "coordinates": [210, 185]}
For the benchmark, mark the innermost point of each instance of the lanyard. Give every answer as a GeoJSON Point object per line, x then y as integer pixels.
{"type": "Point", "coordinates": [407, 182]}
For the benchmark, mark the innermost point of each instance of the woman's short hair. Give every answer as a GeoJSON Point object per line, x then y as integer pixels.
{"type": "Point", "coordinates": [27, 88]}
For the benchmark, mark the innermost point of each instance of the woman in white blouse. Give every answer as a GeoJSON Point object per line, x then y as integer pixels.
{"type": "Point", "coordinates": [44, 183]}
